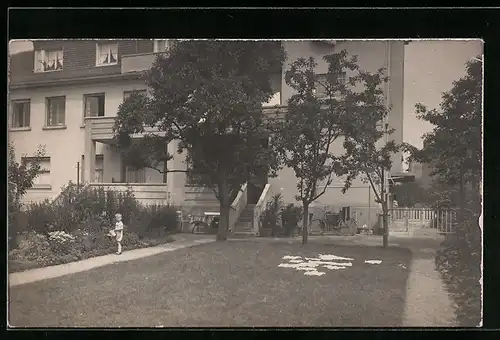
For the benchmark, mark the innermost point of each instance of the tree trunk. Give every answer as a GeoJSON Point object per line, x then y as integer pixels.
{"type": "Point", "coordinates": [385, 224]}
{"type": "Point", "coordinates": [385, 210]}
{"type": "Point", "coordinates": [305, 225]}
{"type": "Point", "coordinates": [165, 168]}
{"type": "Point", "coordinates": [224, 209]}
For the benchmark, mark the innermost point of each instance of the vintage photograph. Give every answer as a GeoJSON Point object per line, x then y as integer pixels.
{"type": "Point", "coordinates": [245, 183]}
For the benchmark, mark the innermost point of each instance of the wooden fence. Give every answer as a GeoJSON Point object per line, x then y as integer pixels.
{"type": "Point", "coordinates": [440, 220]}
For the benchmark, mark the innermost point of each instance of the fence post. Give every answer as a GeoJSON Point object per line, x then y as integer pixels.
{"type": "Point", "coordinates": [406, 218]}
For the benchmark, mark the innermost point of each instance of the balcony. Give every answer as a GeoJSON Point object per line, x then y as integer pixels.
{"type": "Point", "coordinates": [101, 129]}
{"type": "Point", "coordinates": [137, 62]}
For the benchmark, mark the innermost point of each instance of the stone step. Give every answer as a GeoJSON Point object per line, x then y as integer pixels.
{"type": "Point", "coordinates": [243, 233]}
{"type": "Point", "coordinates": [243, 229]}
{"type": "Point", "coordinates": [244, 225]}
{"type": "Point", "coordinates": [240, 227]}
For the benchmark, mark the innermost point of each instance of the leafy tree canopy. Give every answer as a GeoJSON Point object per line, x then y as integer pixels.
{"type": "Point", "coordinates": [351, 105]}
{"type": "Point", "coordinates": [21, 175]}
{"type": "Point", "coordinates": [208, 96]}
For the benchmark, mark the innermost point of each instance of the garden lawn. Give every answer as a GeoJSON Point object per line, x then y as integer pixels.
{"type": "Point", "coordinates": [222, 284]}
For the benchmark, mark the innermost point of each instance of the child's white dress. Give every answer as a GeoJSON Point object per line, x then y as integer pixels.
{"type": "Point", "coordinates": [117, 232]}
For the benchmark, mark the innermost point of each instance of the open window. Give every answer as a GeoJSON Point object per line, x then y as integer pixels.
{"type": "Point", "coordinates": [107, 54]}
{"type": "Point", "coordinates": [48, 60]}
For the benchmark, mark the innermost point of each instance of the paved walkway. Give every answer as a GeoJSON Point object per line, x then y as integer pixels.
{"type": "Point", "coordinates": [33, 275]}
{"type": "Point", "coordinates": [427, 302]}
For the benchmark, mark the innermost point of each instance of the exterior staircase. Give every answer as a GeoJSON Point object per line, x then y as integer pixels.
{"type": "Point", "coordinates": [244, 225]}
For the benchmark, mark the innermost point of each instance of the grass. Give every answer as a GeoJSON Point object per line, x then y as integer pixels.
{"type": "Point", "coordinates": [221, 284]}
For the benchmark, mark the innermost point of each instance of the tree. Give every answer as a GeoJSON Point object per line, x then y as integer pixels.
{"type": "Point", "coordinates": [303, 138]}
{"type": "Point", "coordinates": [409, 194]}
{"type": "Point", "coordinates": [21, 175]}
{"type": "Point", "coordinates": [367, 150]}
{"type": "Point", "coordinates": [453, 148]}
{"type": "Point", "coordinates": [208, 96]}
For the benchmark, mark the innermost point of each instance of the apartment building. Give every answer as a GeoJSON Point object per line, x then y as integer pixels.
{"type": "Point", "coordinates": [65, 94]}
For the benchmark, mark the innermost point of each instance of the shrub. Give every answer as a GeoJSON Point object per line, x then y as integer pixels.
{"type": "Point", "coordinates": [33, 247]}
{"type": "Point", "coordinates": [460, 265]}
{"type": "Point", "coordinates": [290, 217]}
{"type": "Point", "coordinates": [17, 224]}
{"type": "Point", "coordinates": [270, 216]}
{"type": "Point", "coordinates": [76, 223]}
{"type": "Point", "coordinates": [154, 220]}
{"type": "Point", "coordinates": [163, 217]}
{"type": "Point", "coordinates": [130, 239]}
{"type": "Point", "coordinates": [40, 216]}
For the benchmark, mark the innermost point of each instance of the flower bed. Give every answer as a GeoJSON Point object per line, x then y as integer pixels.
{"type": "Point", "coordinates": [38, 250]}
{"type": "Point", "coordinates": [74, 227]}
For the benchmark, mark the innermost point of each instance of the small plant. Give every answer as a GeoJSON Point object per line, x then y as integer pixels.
{"type": "Point", "coordinates": [290, 218]}
{"type": "Point", "coordinates": [271, 215]}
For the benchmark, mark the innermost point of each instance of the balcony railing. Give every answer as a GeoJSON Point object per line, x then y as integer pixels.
{"type": "Point", "coordinates": [137, 62]}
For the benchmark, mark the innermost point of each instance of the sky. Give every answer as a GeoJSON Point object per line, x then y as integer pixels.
{"type": "Point", "coordinates": [430, 67]}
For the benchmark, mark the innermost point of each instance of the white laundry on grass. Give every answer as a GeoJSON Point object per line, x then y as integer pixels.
{"type": "Point", "coordinates": [310, 264]}
{"type": "Point", "coordinates": [373, 261]}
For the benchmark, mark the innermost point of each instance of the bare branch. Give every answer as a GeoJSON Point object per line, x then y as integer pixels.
{"type": "Point", "coordinates": [324, 188]}
{"type": "Point", "coordinates": [165, 171]}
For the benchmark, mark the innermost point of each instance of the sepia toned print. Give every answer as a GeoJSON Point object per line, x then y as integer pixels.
{"type": "Point", "coordinates": [245, 183]}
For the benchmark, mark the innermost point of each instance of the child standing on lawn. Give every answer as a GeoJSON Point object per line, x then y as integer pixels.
{"type": "Point", "coordinates": [117, 232]}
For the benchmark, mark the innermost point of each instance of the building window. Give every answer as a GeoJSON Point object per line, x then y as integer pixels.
{"type": "Point", "coordinates": [106, 54]}
{"type": "Point", "coordinates": [43, 178]}
{"type": "Point", "coordinates": [94, 105]}
{"type": "Point", "coordinates": [161, 45]}
{"type": "Point", "coordinates": [20, 113]}
{"type": "Point", "coordinates": [126, 94]}
{"type": "Point", "coordinates": [321, 84]}
{"type": "Point", "coordinates": [47, 61]}
{"type": "Point", "coordinates": [135, 175]}
{"type": "Point", "coordinates": [56, 111]}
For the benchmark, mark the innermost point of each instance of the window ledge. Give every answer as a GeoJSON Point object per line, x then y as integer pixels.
{"type": "Point", "coordinates": [41, 187]}
{"type": "Point", "coordinates": [104, 65]}
{"type": "Point", "coordinates": [56, 127]}
{"type": "Point", "coordinates": [25, 128]}
{"type": "Point", "coordinates": [49, 71]}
